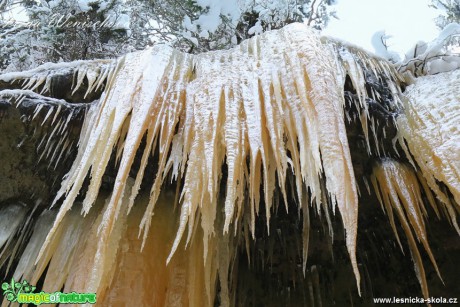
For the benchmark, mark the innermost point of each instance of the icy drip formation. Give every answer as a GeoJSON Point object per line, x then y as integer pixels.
{"type": "Point", "coordinates": [399, 191]}
{"type": "Point", "coordinates": [95, 72]}
{"type": "Point", "coordinates": [50, 120]}
{"type": "Point", "coordinates": [428, 132]}
{"type": "Point", "coordinates": [431, 131]}
{"type": "Point", "coordinates": [11, 218]}
{"type": "Point", "coordinates": [354, 63]}
{"type": "Point", "coordinates": [273, 101]}
{"type": "Point", "coordinates": [78, 260]}
{"type": "Point", "coordinates": [51, 117]}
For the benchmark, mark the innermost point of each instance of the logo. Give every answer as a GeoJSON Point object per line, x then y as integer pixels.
{"type": "Point", "coordinates": [23, 293]}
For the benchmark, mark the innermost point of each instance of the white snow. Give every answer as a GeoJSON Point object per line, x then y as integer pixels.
{"type": "Point", "coordinates": [256, 29]}
{"type": "Point", "coordinates": [379, 42]}
{"type": "Point", "coordinates": [440, 55]}
{"type": "Point", "coordinates": [122, 22]}
{"type": "Point", "coordinates": [54, 68]}
{"type": "Point", "coordinates": [95, 72]}
{"type": "Point", "coordinates": [431, 129]}
{"type": "Point", "coordinates": [84, 6]}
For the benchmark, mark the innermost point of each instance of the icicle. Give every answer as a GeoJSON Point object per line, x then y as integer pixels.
{"type": "Point", "coordinates": [201, 181]}
{"type": "Point", "coordinates": [353, 62]}
{"type": "Point", "coordinates": [25, 268]}
{"type": "Point", "coordinates": [56, 114]}
{"type": "Point", "coordinates": [11, 217]}
{"type": "Point", "coordinates": [95, 72]}
{"type": "Point", "coordinates": [37, 110]}
{"type": "Point", "coordinates": [265, 112]}
{"type": "Point", "coordinates": [435, 147]}
{"type": "Point", "coordinates": [305, 233]}
{"type": "Point", "coordinates": [398, 189]}
{"type": "Point", "coordinates": [14, 243]}
{"type": "Point", "coordinates": [81, 74]}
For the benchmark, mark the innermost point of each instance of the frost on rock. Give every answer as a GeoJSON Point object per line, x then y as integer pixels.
{"type": "Point", "coordinates": [430, 134]}
{"type": "Point", "coordinates": [271, 105]}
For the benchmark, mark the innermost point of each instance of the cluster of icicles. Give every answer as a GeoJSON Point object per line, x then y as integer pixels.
{"type": "Point", "coordinates": [272, 105]}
